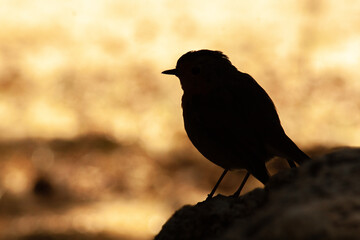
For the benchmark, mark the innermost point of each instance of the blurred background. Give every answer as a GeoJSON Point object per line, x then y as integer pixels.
{"type": "Point", "coordinates": [92, 144]}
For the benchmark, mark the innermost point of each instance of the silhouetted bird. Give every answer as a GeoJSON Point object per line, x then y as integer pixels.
{"type": "Point", "coordinates": [229, 117]}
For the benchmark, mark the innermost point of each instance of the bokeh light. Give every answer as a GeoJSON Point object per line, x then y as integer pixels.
{"type": "Point", "coordinates": [92, 139]}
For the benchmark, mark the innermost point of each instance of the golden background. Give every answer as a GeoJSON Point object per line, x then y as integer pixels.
{"type": "Point", "coordinates": [92, 140]}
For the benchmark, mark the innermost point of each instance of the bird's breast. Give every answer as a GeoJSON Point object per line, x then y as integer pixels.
{"type": "Point", "coordinates": [200, 112]}
{"type": "Point", "coordinates": [205, 127]}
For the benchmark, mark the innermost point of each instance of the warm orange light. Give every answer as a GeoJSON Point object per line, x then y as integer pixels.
{"type": "Point", "coordinates": [68, 68]}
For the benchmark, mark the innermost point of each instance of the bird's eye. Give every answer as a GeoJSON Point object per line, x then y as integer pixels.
{"type": "Point", "coordinates": [195, 70]}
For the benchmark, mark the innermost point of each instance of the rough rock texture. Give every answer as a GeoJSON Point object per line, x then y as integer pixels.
{"type": "Point", "coordinates": [319, 200]}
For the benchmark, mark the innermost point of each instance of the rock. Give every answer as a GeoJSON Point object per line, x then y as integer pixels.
{"type": "Point", "coordinates": [319, 200]}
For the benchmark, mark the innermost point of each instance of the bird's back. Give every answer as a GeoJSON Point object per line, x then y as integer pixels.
{"type": "Point", "coordinates": [265, 120]}
{"type": "Point", "coordinates": [236, 121]}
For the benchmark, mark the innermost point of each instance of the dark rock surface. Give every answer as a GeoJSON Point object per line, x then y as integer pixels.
{"type": "Point", "coordinates": [319, 200]}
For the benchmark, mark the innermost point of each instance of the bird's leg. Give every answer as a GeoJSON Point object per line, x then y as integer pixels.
{"type": "Point", "coordinates": [211, 194]}
{"type": "Point", "coordinates": [237, 193]}
{"type": "Point", "coordinates": [291, 163]}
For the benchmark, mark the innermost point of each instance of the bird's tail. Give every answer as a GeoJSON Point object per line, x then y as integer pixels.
{"type": "Point", "coordinates": [286, 148]}
{"type": "Point", "coordinates": [300, 157]}
{"type": "Point", "coordinates": [294, 153]}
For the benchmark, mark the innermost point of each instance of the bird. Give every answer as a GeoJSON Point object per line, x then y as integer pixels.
{"type": "Point", "coordinates": [229, 117]}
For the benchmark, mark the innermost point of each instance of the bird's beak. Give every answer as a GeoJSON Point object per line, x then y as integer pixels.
{"type": "Point", "coordinates": [170, 72]}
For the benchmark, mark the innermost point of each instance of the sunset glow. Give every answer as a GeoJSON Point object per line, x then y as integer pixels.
{"type": "Point", "coordinates": [72, 68]}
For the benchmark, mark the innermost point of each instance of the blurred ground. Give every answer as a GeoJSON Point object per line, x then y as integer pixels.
{"type": "Point", "coordinates": [92, 188]}
{"type": "Point", "coordinates": [92, 140]}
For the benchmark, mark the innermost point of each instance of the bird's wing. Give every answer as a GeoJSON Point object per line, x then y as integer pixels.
{"type": "Point", "coordinates": [229, 119]}
{"type": "Point", "coordinates": [261, 116]}
{"type": "Point", "coordinates": [243, 115]}
{"type": "Point", "coordinates": [255, 106]}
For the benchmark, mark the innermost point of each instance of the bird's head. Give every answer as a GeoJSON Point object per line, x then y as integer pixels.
{"type": "Point", "coordinates": [202, 71]}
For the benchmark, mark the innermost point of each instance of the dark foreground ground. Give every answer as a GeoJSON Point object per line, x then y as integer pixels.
{"type": "Point", "coordinates": [320, 200]}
